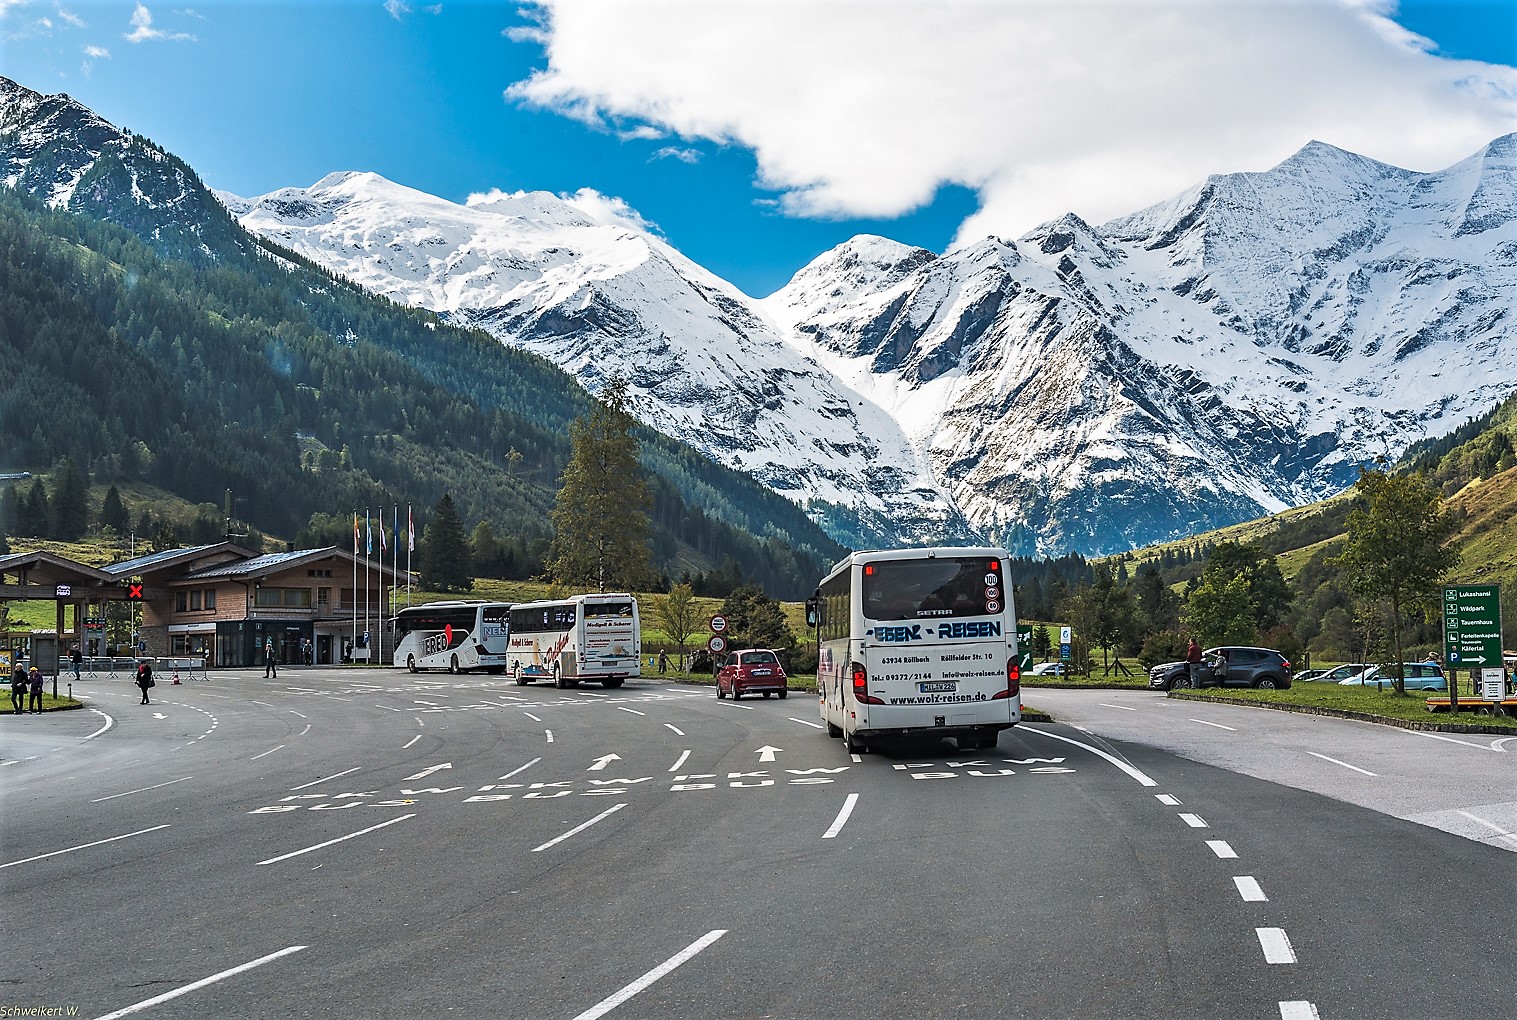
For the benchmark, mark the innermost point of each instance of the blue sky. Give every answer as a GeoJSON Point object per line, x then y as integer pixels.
{"type": "Point", "coordinates": [755, 136]}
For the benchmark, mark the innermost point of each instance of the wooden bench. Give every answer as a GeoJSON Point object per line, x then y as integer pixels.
{"type": "Point", "coordinates": [1506, 706]}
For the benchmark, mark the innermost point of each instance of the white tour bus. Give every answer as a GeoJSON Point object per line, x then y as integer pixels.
{"type": "Point", "coordinates": [917, 642]}
{"type": "Point", "coordinates": [455, 636]}
{"type": "Point", "coordinates": [584, 637]}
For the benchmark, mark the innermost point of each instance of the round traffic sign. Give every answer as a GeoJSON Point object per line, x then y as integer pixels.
{"type": "Point", "coordinates": [716, 644]}
{"type": "Point", "coordinates": [718, 623]}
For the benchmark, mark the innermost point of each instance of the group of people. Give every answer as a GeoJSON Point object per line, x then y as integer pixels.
{"type": "Point", "coordinates": [24, 682]}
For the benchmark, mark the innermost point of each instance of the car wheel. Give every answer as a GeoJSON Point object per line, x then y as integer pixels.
{"type": "Point", "coordinates": [782, 694]}
{"type": "Point", "coordinates": [736, 694]}
{"type": "Point", "coordinates": [1267, 683]}
{"type": "Point", "coordinates": [411, 664]}
{"type": "Point", "coordinates": [721, 693]}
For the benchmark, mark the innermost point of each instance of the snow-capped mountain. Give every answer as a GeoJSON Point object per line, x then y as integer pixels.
{"type": "Point", "coordinates": [602, 299]}
{"type": "Point", "coordinates": [1241, 348]}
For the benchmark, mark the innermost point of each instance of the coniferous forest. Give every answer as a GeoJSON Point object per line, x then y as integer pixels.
{"type": "Point", "coordinates": [246, 368]}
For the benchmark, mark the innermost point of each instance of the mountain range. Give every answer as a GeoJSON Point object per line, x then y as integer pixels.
{"type": "Point", "coordinates": [1239, 349]}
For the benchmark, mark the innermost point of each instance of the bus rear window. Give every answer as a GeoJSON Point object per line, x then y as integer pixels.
{"type": "Point", "coordinates": [605, 610]}
{"type": "Point", "coordinates": [928, 588]}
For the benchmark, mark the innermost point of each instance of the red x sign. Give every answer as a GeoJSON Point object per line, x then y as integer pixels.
{"type": "Point", "coordinates": [134, 592]}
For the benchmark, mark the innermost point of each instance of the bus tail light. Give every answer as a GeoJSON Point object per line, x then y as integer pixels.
{"type": "Point", "coordinates": [861, 685]}
{"type": "Point", "coordinates": [1013, 681]}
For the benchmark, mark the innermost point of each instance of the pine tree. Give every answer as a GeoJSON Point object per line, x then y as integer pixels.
{"type": "Point", "coordinates": [34, 512]}
{"type": "Point", "coordinates": [113, 512]}
{"type": "Point", "coordinates": [443, 550]}
{"type": "Point", "coordinates": [71, 504]}
{"type": "Point", "coordinates": [601, 522]}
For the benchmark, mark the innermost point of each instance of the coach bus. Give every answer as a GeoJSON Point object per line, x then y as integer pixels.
{"type": "Point", "coordinates": [455, 636]}
{"type": "Point", "coordinates": [917, 642]}
{"type": "Point", "coordinates": [585, 637]}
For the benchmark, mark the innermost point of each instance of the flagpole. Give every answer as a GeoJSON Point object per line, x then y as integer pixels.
{"type": "Point", "coordinates": [368, 550]}
{"type": "Point", "coordinates": [353, 609]}
{"type": "Point", "coordinates": [410, 545]}
{"type": "Point", "coordinates": [395, 561]}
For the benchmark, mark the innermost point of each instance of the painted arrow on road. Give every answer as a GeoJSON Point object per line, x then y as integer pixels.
{"type": "Point", "coordinates": [424, 773]}
{"type": "Point", "coordinates": [159, 715]}
{"type": "Point", "coordinates": [766, 753]}
{"type": "Point", "coordinates": [601, 763]}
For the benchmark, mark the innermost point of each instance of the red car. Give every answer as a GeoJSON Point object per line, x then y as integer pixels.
{"type": "Point", "coordinates": [751, 671]}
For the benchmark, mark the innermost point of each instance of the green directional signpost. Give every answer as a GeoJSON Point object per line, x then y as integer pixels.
{"type": "Point", "coordinates": [1471, 628]}
{"type": "Point", "coordinates": [1024, 648]}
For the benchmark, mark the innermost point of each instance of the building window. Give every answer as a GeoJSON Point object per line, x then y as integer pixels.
{"type": "Point", "coordinates": [181, 601]}
{"type": "Point", "coordinates": [195, 601]}
{"type": "Point", "coordinates": [323, 597]}
{"type": "Point", "coordinates": [210, 598]}
{"type": "Point", "coordinates": [283, 598]}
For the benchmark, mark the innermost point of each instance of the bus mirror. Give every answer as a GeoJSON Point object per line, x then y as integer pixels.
{"type": "Point", "coordinates": [813, 612]}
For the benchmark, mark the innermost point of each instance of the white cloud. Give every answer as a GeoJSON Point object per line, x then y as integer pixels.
{"type": "Point", "coordinates": [866, 107]}
{"type": "Point", "coordinates": [71, 18]}
{"type": "Point", "coordinates": [684, 155]}
{"type": "Point", "coordinates": [396, 8]}
{"type": "Point", "coordinates": [609, 210]}
{"type": "Point", "coordinates": [6, 5]}
{"type": "Point", "coordinates": [96, 51]}
{"type": "Point", "coordinates": [143, 30]}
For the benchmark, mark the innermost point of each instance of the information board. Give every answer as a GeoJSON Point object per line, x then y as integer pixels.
{"type": "Point", "coordinates": [1472, 626]}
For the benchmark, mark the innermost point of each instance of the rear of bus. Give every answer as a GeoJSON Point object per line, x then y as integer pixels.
{"type": "Point", "coordinates": [935, 653]}
{"type": "Point", "coordinates": [610, 644]}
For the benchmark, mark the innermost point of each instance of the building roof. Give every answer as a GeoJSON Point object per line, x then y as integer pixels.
{"type": "Point", "coordinates": [16, 562]}
{"type": "Point", "coordinates": [272, 563]}
{"type": "Point", "coordinates": [171, 557]}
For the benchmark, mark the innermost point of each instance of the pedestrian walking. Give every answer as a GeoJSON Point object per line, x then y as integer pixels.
{"type": "Point", "coordinates": [78, 660]}
{"type": "Point", "coordinates": [663, 663]}
{"type": "Point", "coordinates": [145, 678]}
{"type": "Point", "coordinates": [270, 668]}
{"type": "Point", "coordinates": [18, 689]}
{"type": "Point", "coordinates": [34, 679]}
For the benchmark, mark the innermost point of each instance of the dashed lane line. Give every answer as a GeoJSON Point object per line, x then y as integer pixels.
{"type": "Point", "coordinates": [1203, 722]}
{"type": "Point", "coordinates": [1222, 849]}
{"type": "Point", "coordinates": [803, 722]}
{"type": "Point", "coordinates": [1249, 889]}
{"type": "Point", "coordinates": [680, 761]}
{"type": "Point", "coordinates": [1276, 945]}
{"type": "Point", "coordinates": [581, 827]}
{"type": "Point", "coordinates": [1118, 762]}
{"type": "Point", "coordinates": [330, 842]}
{"type": "Point", "coordinates": [1194, 821]}
{"type": "Point", "coordinates": [842, 818]}
{"type": "Point", "coordinates": [265, 754]}
{"type": "Point", "coordinates": [144, 789]}
{"type": "Point", "coordinates": [1345, 764]}
{"type": "Point", "coordinates": [318, 781]}
{"type": "Point", "coordinates": [609, 1003]}
{"type": "Point", "coordinates": [82, 846]}
{"type": "Point", "coordinates": [675, 728]}
{"type": "Point", "coordinates": [138, 1007]}
{"type": "Point", "coordinates": [1298, 1010]}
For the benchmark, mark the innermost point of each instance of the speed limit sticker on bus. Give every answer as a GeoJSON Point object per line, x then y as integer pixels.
{"type": "Point", "coordinates": [716, 643]}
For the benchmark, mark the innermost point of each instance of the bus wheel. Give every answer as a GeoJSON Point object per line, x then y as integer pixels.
{"type": "Point", "coordinates": [834, 731]}
{"type": "Point", "coordinates": [453, 665]}
{"type": "Point", "coordinates": [560, 682]}
{"type": "Point", "coordinates": [411, 663]}
{"type": "Point", "coordinates": [853, 744]}
{"type": "Point", "coordinates": [521, 680]}
{"type": "Point", "coordinates": [990, 739]}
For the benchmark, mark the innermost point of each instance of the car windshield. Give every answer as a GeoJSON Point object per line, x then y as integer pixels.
{"type": "Point", "coordinates": [758, 659]}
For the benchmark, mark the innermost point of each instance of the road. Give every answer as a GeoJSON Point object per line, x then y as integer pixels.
{"type": "Point", "coordinates": [342, 844]}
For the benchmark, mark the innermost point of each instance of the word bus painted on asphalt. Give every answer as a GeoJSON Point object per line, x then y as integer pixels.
{"type": "Point", "coordinates": [1472, 626]}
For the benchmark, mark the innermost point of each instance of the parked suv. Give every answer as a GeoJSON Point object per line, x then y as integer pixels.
{"type": "Point", "coordinates": [1227, 666]}
{"type": "Point", "coordinates": [751, 671]}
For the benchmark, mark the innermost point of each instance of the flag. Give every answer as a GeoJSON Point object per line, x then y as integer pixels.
{"type": "Point", "coordinates": [410, 530]}
{"type": "Point", "coordinates": [380, 523]}
{"type": "Point", "coordinates": [355, 532]}
{"type": "Point", "coordinates": [368, 534]}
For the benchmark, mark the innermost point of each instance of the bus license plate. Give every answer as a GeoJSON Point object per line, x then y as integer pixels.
{"type": "Point", "coordinates": [941, 685]}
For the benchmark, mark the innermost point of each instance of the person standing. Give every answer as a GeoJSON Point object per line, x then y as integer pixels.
{"type": "Point", "coordinates": [78, 660]}
{"type": "Point", "coordinates": [18, 689]}
{"type": "Point", "coordinates": [145, 678]}
{"type": "Point", "coordinates": [1193, 663]}
{"type": "Point", "coordinates": [35, 680]}
{"type": "Point", "coordinates": [663, 663]}
{"type": "Point", "coordinates": [270, 668]}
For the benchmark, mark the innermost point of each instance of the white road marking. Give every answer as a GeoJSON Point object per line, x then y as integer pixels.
{"type": "Point", "coordinates": [856, 759]}
{"type": "Point", "coordinates": [159, 715]}
{"type": "Point", "coordinates": [766, 753]}
{"type": "Point", "coordinates": [293, 712]}
{"type": "Point", "coordinates": [424, 773]}
{"type": "Point", "coordinates": [413, 740]}
{"type": "Point", "coordinates": [1118, 762]}
{"type": "Point", "coordinates": [83, 846]}
{"type": "Point", "coordinates": [529, 715]}
{"type": "Point", "coordinates": [1345, 764]}
{"type": "Point", "coordinates": [749, 708]}
{"type": "Point", "coordinates": [680, 761]}
{"type": "Point", "coordinates": [1496, 744]}
{"type": "Point", "coordinates": [1276, 945]}
{"type": "Point", "coordinates": [109, 722]}
{"type": "Point", "coordinates": [550, 735]}
{"type": "Point", "coordinates": [315, 782]}
{"type": "Point", "coordinates": [166, 996]}
{"type": "Point", "coordinates": [144, 789]}
{"type": "Point", "coordinates": [675, 728]}
{"type": "Point", "coordinates": [580, 827]}
{"type": "Point", "coordinates": [600, 763]}
{"type": "Point", "coordinates": [265, 754]}
{"type": "Point", "coordinates": [330, 842]}
{"type": "Point", "coordinates": [521, 768]}
{"type": "Point", "coordinates": [1194, 821]}
{"type": "Point", "coordinates": [304, 731]}
{"type": "Point", "coordinates": [609, 1003]}
{"type": "Point", "coordinates": [1203, 722]}
{"type": "Point", "coordinates": [1500, 832]}
{"type": "Point", "coordinates": [1453, 740]}
{"type": "Point", "coordinates": [420, 721]}
{"type": "Point", "coordinates": [1222, 849]}
{"type": "Point", "coordinates": [1122, 708]}
{"type": "Point", "coordinates": [1298, 1010]}
{"type": "Point", "coordinates": [842, 818]}
{"type": "Point", "coordinates": [634, 711]}
{"type": "Point", "coordinates": [592, 694]}
{"type": "Point", "coordinates": [1249, 889]}
{"type": "Point", "coordinates": [803, 722]}
{"type": "Point", "coordinates": [1167, 798]}
{"type": "Point", "coordinates": [265, 704]}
